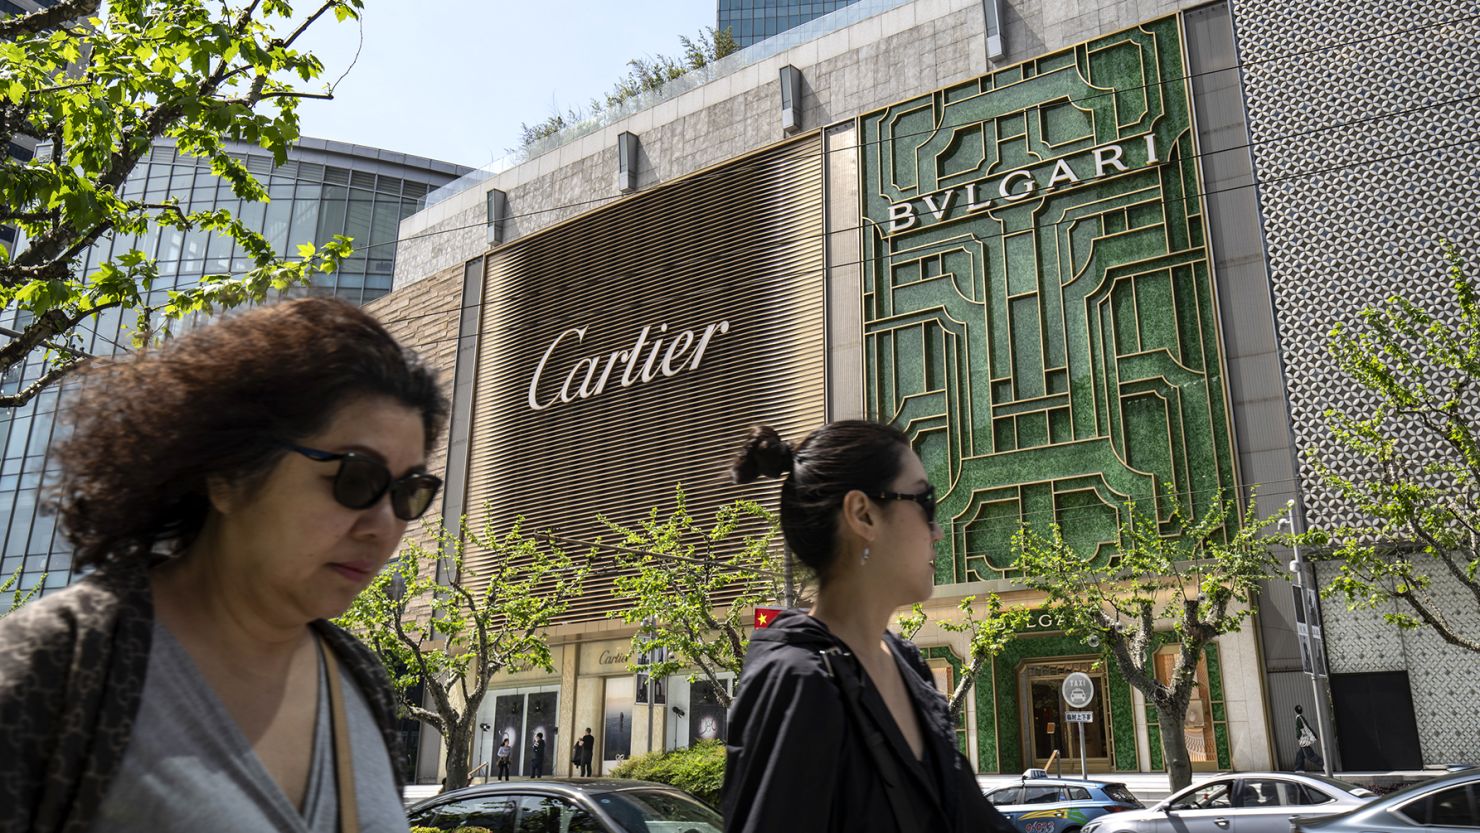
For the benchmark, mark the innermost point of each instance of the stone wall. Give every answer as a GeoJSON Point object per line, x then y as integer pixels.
{"type": "Point", "coordinates": [887, 58]}
{"type": "Point", "coordinates": [424, 318]}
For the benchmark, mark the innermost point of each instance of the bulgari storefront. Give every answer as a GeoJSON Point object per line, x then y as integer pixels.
{"type": "Point", "coordinates": [1038, 314]}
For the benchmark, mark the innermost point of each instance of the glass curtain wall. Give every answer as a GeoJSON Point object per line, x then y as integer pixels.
{"type": "Point", "coordinates": [751, 21]}
{"type": "Point", "coordinates": [310, 202]}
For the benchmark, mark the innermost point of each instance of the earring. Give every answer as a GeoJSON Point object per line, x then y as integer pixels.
{"type": "Point", "coordinates": [864, 560]}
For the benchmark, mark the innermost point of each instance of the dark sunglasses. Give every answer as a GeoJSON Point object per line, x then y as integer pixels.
{"type": "Point", "coordinates": [362, 480]}
{"type": "Point", "coordinates": [926, 499]}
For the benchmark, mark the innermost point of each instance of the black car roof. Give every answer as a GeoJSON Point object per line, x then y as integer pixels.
{"type": "Point", "coordinates": [569, 786]}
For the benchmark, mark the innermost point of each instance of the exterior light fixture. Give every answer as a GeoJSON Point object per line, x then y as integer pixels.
{"type": "Point", "coordinates": [992, 11]}
{"type": "Point", "coordinates": [791, 99]}
{"type": "Point", "coordinates": [498, 212]}
{"type": "Point", "coordinates": [627, 162]}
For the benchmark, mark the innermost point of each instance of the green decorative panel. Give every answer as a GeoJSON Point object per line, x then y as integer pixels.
{"type": "Point", "coordinates": [1004, 752]}
{"type": "Point", "coordinates": [1039, 313]}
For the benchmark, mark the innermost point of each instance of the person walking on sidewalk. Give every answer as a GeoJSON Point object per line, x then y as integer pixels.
{"type": "Point", "coordinates": [1308, 744]}
{"type": "Point", "coordinates": [588, 751]}
{"type": "Point", "coordinates": [537, 756]}
{"type": "Point", "coordinates": [232, 491]}
{"type": "Point", "coordinates": [504, 751]}
{"type": "Point", "coordinates": [837, 724]}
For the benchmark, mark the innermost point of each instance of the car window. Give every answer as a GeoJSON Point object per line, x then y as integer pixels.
{"type": "Point", "coordinates": [655, 811]}
{"type": "Point", "coordinates": [551, 814]}
{"type": "Point", "coordinates": [1039, 795]}
{"type": "Point", "coordinates": [1118, 792]}
{"type": "Point", "coordinates": [1005, 796]}
{"type": "Point", "coordinates": [1454, 807]}
{"type": "Point", "coordinates": [1254, 793]}
{"type": "Point", "coordinates": [1212, 795]}
{"type": "Point", "coordinates": [1075, 794]}
{"type": "Point", "coordinates": [493, 812]}
{"type": "Point", "coordinates": [1310, 796]}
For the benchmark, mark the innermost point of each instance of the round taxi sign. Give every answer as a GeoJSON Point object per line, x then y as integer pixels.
{"type": "Point", "coordinates": [1078, 690]}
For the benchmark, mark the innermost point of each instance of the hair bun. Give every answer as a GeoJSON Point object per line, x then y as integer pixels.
{"type": "Point", "coordinates": [765, 455]}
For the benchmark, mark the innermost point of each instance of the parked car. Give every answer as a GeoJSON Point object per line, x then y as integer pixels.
{"type": "Point", "coordinates": [1039, 804]}
{"type": "Point", "coordinates": [1446, 803]}
{"type": "Point", "coordinates": [1249, 802]}
{"type": "Point", "coordinates": [552, 805]}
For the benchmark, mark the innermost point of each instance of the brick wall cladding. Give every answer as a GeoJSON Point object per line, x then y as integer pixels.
{"type": "Point", "coordinates": [424, 317]}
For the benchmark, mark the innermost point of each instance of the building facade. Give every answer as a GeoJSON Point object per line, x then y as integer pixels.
{"type": "Point", "coordinates": [752, 21]}
{"type": "Point", "coordinates": [325, 188]}
{"type": "Point", "coordinates": [1098, 267]}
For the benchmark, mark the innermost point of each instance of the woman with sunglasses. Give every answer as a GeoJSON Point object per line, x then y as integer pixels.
{"type": "Point", "coordinates": [837, 725]}
{"type": "Point", "coordinates": [231, 492]}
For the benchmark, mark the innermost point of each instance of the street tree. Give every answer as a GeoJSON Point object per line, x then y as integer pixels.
{"type": "Point", "coordinates": [99, 86]}
{"type": "Point", "coordinates": [432, 623]}
{"type": "Point", "coordinates": [691, 587]}
{"type": "Point", "coordinates": [1411, 465]}
{"type": "Point", "coordinates": [988, 635]}
{"type": "Point", "coordinates": [1178, 581]}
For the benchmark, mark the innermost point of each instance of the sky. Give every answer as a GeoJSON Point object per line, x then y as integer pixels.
{"type": "Point", "coordinates": [454, 79]}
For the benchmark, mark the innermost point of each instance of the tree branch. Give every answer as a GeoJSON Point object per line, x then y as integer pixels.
{"type": "Point", "coordinates": [1437, 621]}
{"type": "Point", "coordinates": [19, 26]}
{"type": "Point", "coordinates": [15, 400]}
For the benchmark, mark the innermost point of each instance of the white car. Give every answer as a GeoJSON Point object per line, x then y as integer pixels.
{"type": "Point", "coordinates": [1248, 802]}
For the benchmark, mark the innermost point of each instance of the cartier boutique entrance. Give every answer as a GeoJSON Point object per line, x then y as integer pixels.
{"type": "Point", "coordinates": [1041, 682]}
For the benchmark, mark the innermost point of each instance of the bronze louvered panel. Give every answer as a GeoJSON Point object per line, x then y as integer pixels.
{"type": "Point", "coordinates": [739, 244]}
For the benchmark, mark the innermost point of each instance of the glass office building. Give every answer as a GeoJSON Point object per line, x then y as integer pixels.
{"type": "Point", "coordinates": [752, 21]}
{"type": "Point", "coordinates": [325, 188]}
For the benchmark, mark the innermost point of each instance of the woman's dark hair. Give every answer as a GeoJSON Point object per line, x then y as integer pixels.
{"type": "Point", "coordinates": [150, 428]}
{"type": "Point", "coordinates": [832, 461]}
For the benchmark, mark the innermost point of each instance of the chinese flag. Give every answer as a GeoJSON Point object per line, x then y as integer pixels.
{"type": "Point", "coordinates": [764, 616]}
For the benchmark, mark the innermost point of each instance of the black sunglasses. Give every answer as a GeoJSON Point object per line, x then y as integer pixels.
{"type": "Point", "coordinates": [362, 480]}
{"type": "Point", "coordinates": [926, 499]}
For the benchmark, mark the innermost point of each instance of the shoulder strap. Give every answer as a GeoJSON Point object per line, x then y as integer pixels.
{"type": "Point", "coordinates": [874, 741]}
{"type": "Point", "coordinates": [349, 815]}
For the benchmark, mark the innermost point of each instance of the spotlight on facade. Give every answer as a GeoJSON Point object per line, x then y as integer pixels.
{"type": "Point", "coordinates": [498, 213]}
{"type": "Point", "coordinates": [791, 99]}
{"type": "Point", "coordinates": [626, 162]}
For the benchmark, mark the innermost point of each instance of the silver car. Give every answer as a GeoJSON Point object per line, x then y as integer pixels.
{"type": "Point", "coordinates": [1249, 802]}
{"type": "Point", "coordinates": [1447, 804]}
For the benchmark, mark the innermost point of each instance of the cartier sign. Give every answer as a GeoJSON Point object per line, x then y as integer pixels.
{"type": "Point", "coordinates": [590, 375]}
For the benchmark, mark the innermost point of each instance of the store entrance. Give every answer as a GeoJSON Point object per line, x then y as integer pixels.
{"type": "Point", "coordinates": [1040, 683]}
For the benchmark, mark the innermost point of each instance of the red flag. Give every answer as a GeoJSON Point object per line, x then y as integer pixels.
{"type": "Point", "coordinates": [764, 616]}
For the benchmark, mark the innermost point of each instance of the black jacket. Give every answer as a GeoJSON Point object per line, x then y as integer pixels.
{"type": "Point", "coordinates": [795, 760]}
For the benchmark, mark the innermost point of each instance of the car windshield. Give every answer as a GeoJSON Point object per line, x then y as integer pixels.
{"type": "Point", "coordinates": [658, 811]}
{"type": "Point", "coordinates": [1118, 792]}
{"type": "Point", "coordinates": [1344, 786]}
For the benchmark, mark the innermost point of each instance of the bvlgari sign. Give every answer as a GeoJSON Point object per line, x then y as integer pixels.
{"type": "Point", "coordinates": [590, 375]}
{"type": "Point", "coordinates": [1017, 185]}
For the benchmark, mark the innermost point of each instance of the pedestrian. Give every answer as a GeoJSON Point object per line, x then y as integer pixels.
{"type": "Point", "coordinates": [231, 491]}
{"type": "Point", "coordinates": [588, 752]}
{"type": "Point", "coordinates": [505, 750]}
{"type": "Point", "coordinates": [537, 756]}
{"type": "Point", "coordinates": [1307, 744]}
{"type": "Point", "coordinates": [837, 724]}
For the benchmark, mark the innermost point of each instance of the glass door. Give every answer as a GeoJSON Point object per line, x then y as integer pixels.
{"type": "Point", "coordinates": [616, 731]}
{"type": "Point", "coordinates": [1040, 686]}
